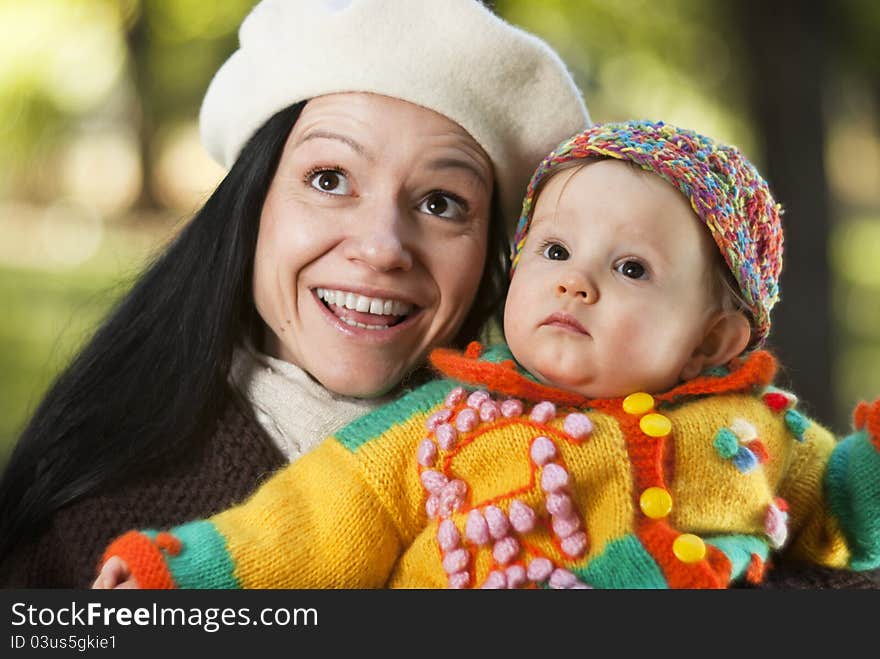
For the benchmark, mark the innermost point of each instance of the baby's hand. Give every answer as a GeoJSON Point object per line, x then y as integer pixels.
{"type": "Point", "coordinates": [115, 575]}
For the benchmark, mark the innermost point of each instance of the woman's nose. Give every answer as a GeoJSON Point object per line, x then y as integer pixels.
{"type": "Point", "coordinates": [381, 244]}
{"type": "Point", "coordinates": [574, 284]}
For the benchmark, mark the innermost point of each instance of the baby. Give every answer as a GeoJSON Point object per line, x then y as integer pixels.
{"type": "Point", "coordinates": [626, 436]}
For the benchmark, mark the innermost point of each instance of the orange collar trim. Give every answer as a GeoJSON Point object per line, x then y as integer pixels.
{"type": "Point", "coordinates": [756, 370]}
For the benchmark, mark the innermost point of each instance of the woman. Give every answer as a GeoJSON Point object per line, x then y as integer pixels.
{"type": "Point", "coordinates": [376, 148]}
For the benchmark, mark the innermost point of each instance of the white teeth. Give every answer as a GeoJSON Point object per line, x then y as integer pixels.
{"type": "Point", "coordinates": [362, 326]}
{"type": "Point", "coordinates": [373, 305]}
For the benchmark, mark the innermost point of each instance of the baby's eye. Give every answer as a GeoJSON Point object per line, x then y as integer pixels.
{"type": "Point", "coordinates": [632, 269]}
{"type": "Point", "coordinates": [331, 181]}
{"type": "Point", "coordinates": [443, 204]}
{"type": "Point", "coordinates": [555, 252]}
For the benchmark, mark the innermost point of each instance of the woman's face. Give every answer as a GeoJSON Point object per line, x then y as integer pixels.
{"type": "Point", "coordinates": [372, 240]}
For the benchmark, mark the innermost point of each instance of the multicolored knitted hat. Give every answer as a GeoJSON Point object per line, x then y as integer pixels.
{"type": "Point", "coordinates": [725, 190]}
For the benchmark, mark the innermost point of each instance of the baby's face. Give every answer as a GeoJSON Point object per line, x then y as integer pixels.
{"type": "Point", "coordinates": [611, 294]}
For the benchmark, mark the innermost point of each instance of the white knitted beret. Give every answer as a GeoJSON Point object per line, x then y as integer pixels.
{"type": "Point", "coordinates": [504, 86]}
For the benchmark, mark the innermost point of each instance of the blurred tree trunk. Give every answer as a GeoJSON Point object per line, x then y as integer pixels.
{"type": "Point", "coordinates": [137, 40]}
{"type": "Point", "coordinates": [784, 62]}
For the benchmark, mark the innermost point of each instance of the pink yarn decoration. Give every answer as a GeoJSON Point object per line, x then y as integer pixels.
{"type": "Point", "coordinates": [476, 529]}
{"type": "Point", "coordinates": [543, 412]}
{"type": "Point", "coordinates": [575, 545]}
{"type": "Point", "coordinates": [511, 408]}
{"type": "Point", "coordinates": [553, 478]}
{"type": "Point", "coordinates": [427, 453]}
{"type": "Point", "coordinates": [446, 435]}
{"type": "Point", "coordinates": [466, 420]}
{"type": "Point", "coordinates": [539, 569]}
{"type": "Point", "coordinates": [489, 411]}
{"type": "Point", "coordinates": [454, 397]}
{"type": "Point", "coordinates": [495, 581]}
{"type": "Point", "coordinates": [438, 417]}
{"type": "Point", "coordinates": [565, 526]}
{"type": "Point", "coordinates": [505, 550]}
{"type": "Point", "coordinates": [542, 451]}
{"type": "Point", "coordinates": [476, 399]}
{"type": "Point", "coordinates": [522, 517]}
{"type": "Point", "coordinates": [433, 481]}
{"type": "Point", "coordinates": [577, 426]}
{"type": "Point", "coordinates": [448, 536]}
{"type": "Point", "coordinates": [455, 561]}
{"type": "Point", "coordinates": [559, 503]}
{"type": "Point", "coordinates": [516, 576]}
{"type": "Point", "coordinates": [498, 523]}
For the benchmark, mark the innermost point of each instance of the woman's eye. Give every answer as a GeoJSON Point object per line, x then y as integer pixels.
{"type": "Point", "coordinates": [632, 269]}
{"type": "Point", "coordinates": [443, 205]}
{"type": "Point", "coordinates": [331, 181]}
{"type": "Point", "coordinates": [555, 252]}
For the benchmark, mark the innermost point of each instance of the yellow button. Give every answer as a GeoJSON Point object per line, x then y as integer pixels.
{"type": "Point", "coordinates": [689, 548]}
{"type": "Point", "coordinates": [655, 502]}
{"type": "Point", "coordinates": [655, 425]}
{"type": "Point", "coordinates": [638, 403]}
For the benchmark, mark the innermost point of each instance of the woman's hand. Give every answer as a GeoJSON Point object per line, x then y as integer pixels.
{"type": "Point", "coordinates": [115, 575]}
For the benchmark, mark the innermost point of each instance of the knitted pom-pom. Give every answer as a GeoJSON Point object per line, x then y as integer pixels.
{"type": "Point", "coordinates": [446, 436]}
{"type": "Point", "coordinates": [477, 398]}
{"type": "Point", "coordinates": [559, 503]}
{"type": "Point", "coordinates": [775, 401]}
{"type": "Point", "coordinates": [495, 580]}
{"type": "Point", "coordinates": [452, 497]}
{"type": "Point", "coordinates": [455, 561]}
{"type": "Point", "coordinates": [757, 447]}
{"type": "Point", "coordinates": [565, 526]}
{"type": "Point", "coordinates": [539, 569]}
{"type": "Point", "coordinates": [575, 545]}
{"type": "Point", "coordinates": [498, 523]}
{"type": "Point", "coordinates": [516, 576]}
{"type": "Point", "coordinates": [542, 451]}
{"type": "Point", "coordinates": [505, 550]}
{"type": "Point", "coordinates": [427, 453]}
{"type": "Point", "coordinates": [433, 481]}
{"type": "Point", "coordinates": [438, 417]}
{"type": "Point", "coordinates": [553, 478]}
{"type": "Point", "coordinates": [776, 526]}
{"type": "Point", "coordinates": [454, 397]}
{"type": "Point", "coordinates": [744, 430]}
{"type": "Point", "coordinates": [577, 426]}
{"type": "Point", "coordinates": [745, 460]}
{"type": "Point", "coordinates": [466, 420]}
{"type": "Point", "coordinates": [511, 408]}
{"type": "Point", "coordinates": [562, 578]}
{"type": "Point", "coordinates": [489, 411]}
{"type": "Point", "coordinates": [448, 536]}
{"type": "Point", "coordinates": [522, 517]}
{"type": "Point", "coordinates": [432, 506]}
{"type": "Point", "coordinates": [459, 580]}
{"type": "Point", "coordinates": [726, 443]}
{"type": "Point", "coordinates": [797, 423]}
{"type": "Point", "coordinates": [476, 529]}
{"type": "Point", "coordinates": [779, 400]}
{"type": "Point", "coordinates": [543, 412]}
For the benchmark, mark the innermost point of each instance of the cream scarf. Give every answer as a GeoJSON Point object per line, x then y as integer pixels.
{"type": "Point", "coordinates": [294, 410]}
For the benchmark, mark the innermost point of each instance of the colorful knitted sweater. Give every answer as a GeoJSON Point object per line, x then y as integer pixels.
{"type": "Point", "coordinates": [490, 479]}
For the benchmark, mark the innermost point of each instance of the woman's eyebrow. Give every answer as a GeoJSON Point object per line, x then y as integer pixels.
{"type": "Point", "coordinates": [457, 163]}
{"type": "Point", "coordinates": [329, 135]}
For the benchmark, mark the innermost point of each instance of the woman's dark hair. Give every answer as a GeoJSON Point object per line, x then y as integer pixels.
{"type": "Point", "coordinates": [152, 381]}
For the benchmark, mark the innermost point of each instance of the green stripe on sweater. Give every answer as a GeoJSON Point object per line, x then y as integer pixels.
{"type": "Point", "coordinates": [625, 563]}
{"type": "Point", "coordinates": [372, 425]}
{"type": "Point", "coordinates": [852, 488]}
{"type": "Point", "coordinates": [203, 562]}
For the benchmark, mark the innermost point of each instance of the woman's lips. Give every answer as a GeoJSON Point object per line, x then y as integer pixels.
{"type": "Point", "coordinates": [565, 321]}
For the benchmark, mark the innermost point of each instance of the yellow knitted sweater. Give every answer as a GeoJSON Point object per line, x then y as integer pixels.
{"type": "Point", "coordinates": [489, 479]}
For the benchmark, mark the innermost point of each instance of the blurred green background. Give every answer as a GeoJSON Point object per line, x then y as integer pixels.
{"type": "Point", "coordinates": [100, 161]}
